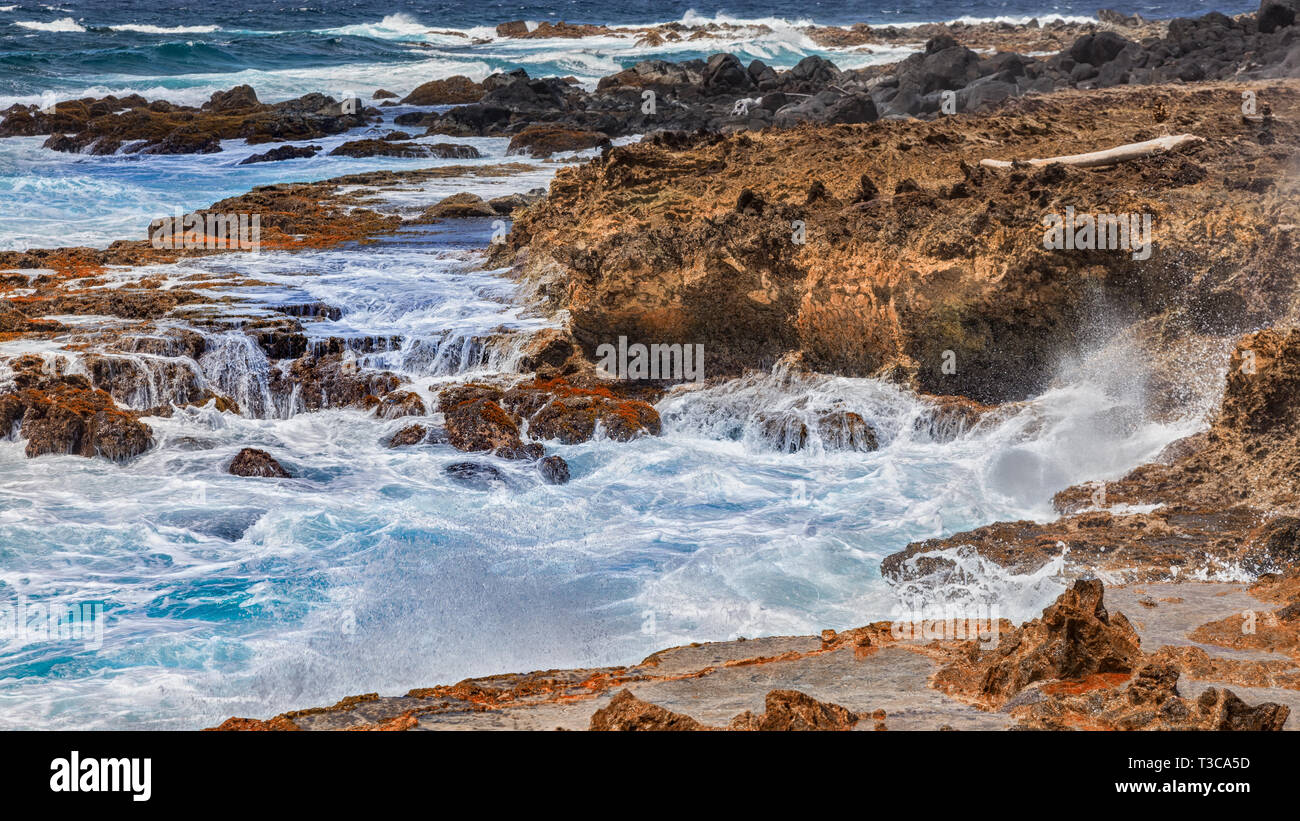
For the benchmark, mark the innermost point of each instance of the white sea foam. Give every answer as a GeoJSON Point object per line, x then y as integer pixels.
{"type": "Point", "coordinates": [147, 29]}
{"type": "Point", "coordinates": [65, 24]}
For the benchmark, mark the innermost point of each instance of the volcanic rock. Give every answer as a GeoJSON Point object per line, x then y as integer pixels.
{"type": "Point", "coordinates": [254, 462]}
{"type": "Point", "coordinates": [791, 710]}
{"type": "Point", "coordinates": [455, 90]}
{"type": "Point", "coordinates": [543, 141]}
{"type": "Point", "coordinates": [554, 470]}
{"type": "Point", "coordinates": [285, 152]}
{"type": "Point", "coordinates": [627, 713]}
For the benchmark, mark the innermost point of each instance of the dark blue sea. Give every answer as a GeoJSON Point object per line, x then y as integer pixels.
{"type": "Point", "coordinates": [293, 46]}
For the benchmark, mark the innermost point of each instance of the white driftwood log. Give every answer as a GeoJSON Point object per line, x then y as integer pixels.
{"type": "Point", "coordinates": [1121, 153]}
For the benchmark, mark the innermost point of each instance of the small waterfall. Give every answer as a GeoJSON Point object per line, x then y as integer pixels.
{"type": "Point", "coordinates": [448, 354]}
{"type": "Point", "coordinates": [143, 381]}
{"type": "Point", "coordinates": [235, 364]}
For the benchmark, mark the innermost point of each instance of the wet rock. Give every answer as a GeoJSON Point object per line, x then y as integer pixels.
{"type": "Point", "coordinates": [389, 148]}
{"type": "Point", "coordinates": [331, 381]}
{"type": "Point", "coordinates": [454, 90]}
{"type": "Point", "coordinates": [13, 321]}
{"type": "Point", "coordinates": [65, 415]}
{"type": "Point", "coordinates": [136, 126]}
{"type": "Point", "coordinates": [383, 94]}
{"type": "Point", "coordinates": [285, 152]}
{"type": "Point", "coordinates": [454, 395]}
{"type": "Point", "coordinates": [475, 475]}
{"type": "Point", "coordinates": [573, 417]}
{"type": "Point", "coordinates": [627, 713]}
{"type": "Point", "coordinates": [1273, 548]}
{"type": "Point", "coordinates": [254, 462]}
{"type": "Point", "coordinates": [481, 425]}
{"type": "Point", "coordinates": [784, 431]}
{"type": "Point", "coordinates": [409, 435]}
{"type": "Point", "coordinates": [510, 203]}
{"type": "Point", "coordinates": [400, 403]}
{"type": "Point", "coordinates": [554, 470]}
{"type": "Point", "coordinates": [543, 141]}
{"type": "Point", "coordinates": [949, 417]}
{"type": "Point", "coordinates": [845, 430]}
{"type": "Point", "coordinates": [458, 206]}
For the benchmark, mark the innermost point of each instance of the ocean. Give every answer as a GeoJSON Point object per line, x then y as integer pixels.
{"type": "Point", "coordinates": [284, 48]}
{"type": "Point", "coordinates": [373, 570]}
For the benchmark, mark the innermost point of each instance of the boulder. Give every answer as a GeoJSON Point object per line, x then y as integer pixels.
{"type": "Point", "coordinates": [285, 152]}
{"type": "Point", "coordinates": [458, 206]}
{"type": "Point", "coordinates": [543, 141]}
{"type": "Point", "coordinates": [456, 90]}
{"type": "Point", "coordinates": [481, 425]}
{"type": "Point", "coordinates": [254, 462]}
{"type": "Point", "coordinates": [475, 475]}
{"type": "Point", "coordinates": [238, 98]}
{"type": "Point", "coordinates": [400, 403]}
{"type": "Point", "coordinates": [725, 73]}
{"type": "Point", "coordinates": [554, 470]}
{"type": "Point", "coordinates": [409, 435]}
{"type": "Point", "coordinates": [1273, 15]}
{"type": "Point", "coordinates": [1099, 48]}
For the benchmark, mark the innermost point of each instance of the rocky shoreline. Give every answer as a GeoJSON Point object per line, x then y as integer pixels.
{"type": "Point", "coordinates": [822, 222]}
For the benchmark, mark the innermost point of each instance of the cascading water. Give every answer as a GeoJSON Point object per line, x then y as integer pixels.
{"type": "Point", "coordinates": [237, 366]}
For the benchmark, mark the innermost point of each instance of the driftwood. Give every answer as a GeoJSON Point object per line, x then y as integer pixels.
{"type": "Point", "coordinates": [1118, 154]}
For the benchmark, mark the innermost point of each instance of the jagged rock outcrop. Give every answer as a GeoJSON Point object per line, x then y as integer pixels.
{"type": "Point", "coordinates": [1080, 667]}
{"type": "Point", "coordinates": [627, 713]}
{"type": "Point", "coordinates": [945, 284]}
{"type": "Point", "coordinates": [1074, 638]}
{"type": "Point", "coordinates": [791, 710]}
